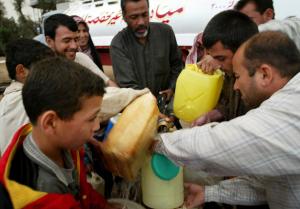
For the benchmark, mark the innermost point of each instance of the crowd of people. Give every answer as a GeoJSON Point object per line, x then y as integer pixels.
{"type": "Point", "coordinates": [51, 109]}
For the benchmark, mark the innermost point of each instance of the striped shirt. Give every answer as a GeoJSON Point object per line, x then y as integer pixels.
{"type": "Point", "coordinates": [263, 143]}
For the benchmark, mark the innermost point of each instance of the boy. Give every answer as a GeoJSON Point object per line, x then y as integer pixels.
{"type": "Point", "coordinates": [20, 55]}
{"type": "Point", "coordinates": [63, 109]}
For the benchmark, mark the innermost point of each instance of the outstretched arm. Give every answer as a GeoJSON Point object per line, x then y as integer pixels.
{"type": "Point", "coordinates": [237, 191]}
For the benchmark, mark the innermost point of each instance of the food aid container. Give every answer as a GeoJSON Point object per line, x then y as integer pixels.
{"type": "Point", "coordinates": [162, 183]}
{"type": "Point", "coordinates": [127, 144]}
{"type": "Point", "coordinates": [112, 121]}
{"type": "Point", "coordinates": [196, 93]}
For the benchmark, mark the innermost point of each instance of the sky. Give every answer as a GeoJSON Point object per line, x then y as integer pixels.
{"type": "Point", "coordinates": [283, 8]}
{"type": "Point", "coordinates": [34, 14]}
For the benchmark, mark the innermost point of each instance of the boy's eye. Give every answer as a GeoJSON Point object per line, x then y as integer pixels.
{"type": "Point", "coordinates": [94, 118]}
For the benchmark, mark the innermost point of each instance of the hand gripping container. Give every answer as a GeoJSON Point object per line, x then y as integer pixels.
{"type": "Point", "coordinates": [196, 93]}
{"type": "Point", "coordinates": [127, 145]}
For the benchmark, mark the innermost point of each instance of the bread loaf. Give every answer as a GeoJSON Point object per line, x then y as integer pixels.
{"type": "Point", "coordinates": [127, 144]}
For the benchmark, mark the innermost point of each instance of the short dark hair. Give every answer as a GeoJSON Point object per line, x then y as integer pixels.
{"type": "Point", "coordinates": [56, 20]}
{"type": "Point", "coordinates": [60, 85]}
{"type": "Point", "coordinates": [231, 28]}
{"type": "Point", "coordinates": [123, 4]}
{"type": "Point", "coordinates": [274, 48]}
{"type": "Point", "coordinates": [261, 5]}
{"type": "Point", "coordinates": [26, 52]}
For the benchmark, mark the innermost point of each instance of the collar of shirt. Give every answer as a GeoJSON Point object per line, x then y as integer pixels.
{"type": "Point", "coordinates": [65, 175]}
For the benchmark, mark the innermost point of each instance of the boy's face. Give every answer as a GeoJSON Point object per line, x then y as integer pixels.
{"type": "Point", "coordinates": [65, 42]}
{"type": "Point", "coordinates": [73, 133]}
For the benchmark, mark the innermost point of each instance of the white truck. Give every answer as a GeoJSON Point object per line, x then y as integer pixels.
{"type": "Point", "coordinates": [187, 17]}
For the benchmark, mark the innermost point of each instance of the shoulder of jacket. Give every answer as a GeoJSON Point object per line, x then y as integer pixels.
{"type": "Point", "coordinates": [161, 26]}
{"type": "Point", "coordinates": [82, 58]}
{"type": "Point", "coordinates": [80, 55]}
{"type": "Point", "coordinates": [121, 35]}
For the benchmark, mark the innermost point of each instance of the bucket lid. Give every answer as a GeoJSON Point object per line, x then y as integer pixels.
{"type": "Point", "coordinates": [163, 167]}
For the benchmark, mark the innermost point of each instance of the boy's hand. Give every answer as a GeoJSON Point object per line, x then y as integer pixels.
{"type": "Point", "coordinates": [94, 142]}
{"type": "Point", "coordinates": [208, 65]}
{"type": "Point", "coordinates": [194, 195]}
{"type": "Point", "coordinates": [97, 147]}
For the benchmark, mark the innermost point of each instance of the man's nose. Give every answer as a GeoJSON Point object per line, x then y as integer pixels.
{"type": "Point", "coordinates": [235, 86]}
{"type": "Point", "coordinates": [141, 20]}
{"type": "Point", "coordinates": [96, 125]}
{"type": "Point", "coordinates": [74, 44]}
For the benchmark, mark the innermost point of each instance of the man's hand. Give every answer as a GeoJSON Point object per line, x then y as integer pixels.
{"type": "Point", "coordinates": [168, 92]}
{"type": "Point", "coordinates": [208, 64]}
{"type": "Point", "coordinates": [201, 120]}
{"type": "Point", "coordinates": [194, 195]}
{"type": "Point", "coordinates": [212, 116]}
{"type": "Point", "coordinates": [152, 146]}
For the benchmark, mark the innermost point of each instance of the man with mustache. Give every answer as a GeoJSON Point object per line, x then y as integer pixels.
{"type": "Point", "coordinates": [145, 54]}
{"type": "Point", "coordinates": [61, 36]}
{"type": "Point", "coordinates": [262, 146]}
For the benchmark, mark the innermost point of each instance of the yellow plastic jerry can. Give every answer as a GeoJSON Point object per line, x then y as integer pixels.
{"type": "Point", "coordinates": [196, 93]}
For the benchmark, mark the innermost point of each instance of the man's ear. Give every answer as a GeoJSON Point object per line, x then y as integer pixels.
{"type": "Point", "coordinates": [268, 14]}
{"type": "Point", "coordinates": [48, 121]}
{"type": "Point", "coordinates": [265, 75]}
{"type": "Point", "coordinates": [49, 41]}
{"type": "Point", "coordinates": [125, 19]}
{"type": "Point", "coordinates": [21, 73]}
